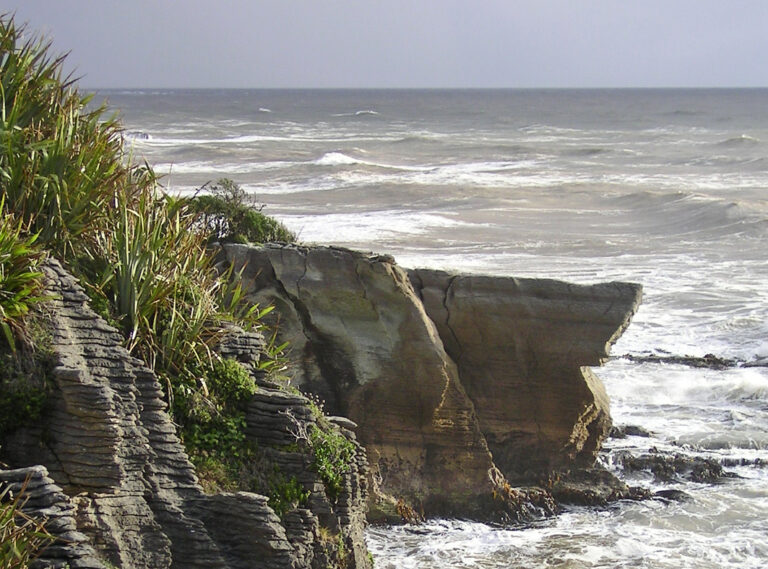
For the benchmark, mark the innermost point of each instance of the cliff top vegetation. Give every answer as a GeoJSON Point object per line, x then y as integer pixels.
{"type": "Point", "coordinates": [70, 188]}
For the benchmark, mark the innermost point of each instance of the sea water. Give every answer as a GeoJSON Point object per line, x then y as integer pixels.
{"type": "Point", "coordinates": [667, 188]}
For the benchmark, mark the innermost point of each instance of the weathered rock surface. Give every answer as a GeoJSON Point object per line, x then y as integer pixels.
{"type": "Point", "coordinates": [675, 467]}
{"type": "Point", "coordinates": [45, 500]}
{"type": "Point", "coordinates": [119, 474]}
{"type": "Point", "coordinates": [523, 347]}
{"type": "Point", "coordinates": [382, 348]}
{"type": "Point", "coordinates": [361, 340]}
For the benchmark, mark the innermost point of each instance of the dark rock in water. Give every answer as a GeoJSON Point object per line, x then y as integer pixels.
{"type": "Point", "coordinates": [458, 384]}
{"type": "Point", "coordinates": [710, 361]}
{"type": "Point", "coordinates": [671, 468]}
{"type": "Point", "coordinates": [118, 483]}
{"type": "Point", "coordinates": [625, 431]}
{"type": "Point", "coordinates": [759, 462]}
{"type": "Point", "coordinates": [672, 495]}
{"type": "Point", "coordinates": [593, 487]}
{"type": "Point", "coordinates": [137, 135]}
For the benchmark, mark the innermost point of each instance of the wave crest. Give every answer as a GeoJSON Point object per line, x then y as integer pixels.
{"type": "Point", "coordinates": [741, 140]}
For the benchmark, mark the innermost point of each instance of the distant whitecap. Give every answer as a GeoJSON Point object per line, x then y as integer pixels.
{"type": "Point", "coordinates": [741, 140]}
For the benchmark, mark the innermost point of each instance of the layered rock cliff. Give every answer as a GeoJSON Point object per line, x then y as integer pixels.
{"type": "Point", "coordinates": [108, 471]}
{"type": "Point", "coordinates": [459, 384]}
{"type": "Point", "coordinates": [523, 348]}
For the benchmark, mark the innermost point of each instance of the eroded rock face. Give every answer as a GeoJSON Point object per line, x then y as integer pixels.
{"type": "Point", "coordinates": [122, 479]}
{"type": "Point", "coordinates": [448, 377]}
{"type": "Point", "coordinates": [360, 338]}
{"type": "Point", "coordinates": [523, 347]}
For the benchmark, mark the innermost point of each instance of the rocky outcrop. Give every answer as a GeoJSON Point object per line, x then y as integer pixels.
{"type": "Point", "coordinates": [523, 348]}
{"type": "Point", "coordinates": [361, 340]}
{"type": "Point", "coordinates": [457, 383]}
{"type": "Point", "coordinates": [116, 468]}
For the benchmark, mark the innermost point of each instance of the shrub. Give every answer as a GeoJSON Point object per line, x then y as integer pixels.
{"type": "Point", "coordinates": [231, 382]}
{"type": "Point", "coordinates": [21, 404]}
{"type": "Point", "coordinates": [333, 455]}
{"type": "Point", "coordinates": [207, 407]}
{"type": "Point", "coordinates": [225, 213]}
{"type": "Point", "coordinates": [286, 494]}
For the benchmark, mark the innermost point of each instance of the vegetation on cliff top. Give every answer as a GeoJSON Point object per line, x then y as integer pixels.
{"type": "Point", "coordinates": [69, 186]}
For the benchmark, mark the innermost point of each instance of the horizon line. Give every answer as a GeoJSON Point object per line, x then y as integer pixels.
{"type": "Point", "coordinates": [526, 88]}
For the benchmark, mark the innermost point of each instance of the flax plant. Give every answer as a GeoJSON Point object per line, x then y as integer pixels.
{"type": "Point", "coordinates": [146, 259]}
{"type": "Point", "coordinates": [22, 538]}
{"type": "Point", "coordinates": [60, 162]}
{"type": "Point", "coordinates": [20, 280]}
{"type": "Point", "coordinates": [158, 276]}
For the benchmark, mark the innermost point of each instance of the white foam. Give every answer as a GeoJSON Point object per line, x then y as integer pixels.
{"type": "Point", "coordinates": [346, 228]}
{"type": "Point", "coordinates": [336, 159]}
{"type": "Point", "coordinates": [361, 113]}
{"type": "Point", "coordinates": [213, 168]}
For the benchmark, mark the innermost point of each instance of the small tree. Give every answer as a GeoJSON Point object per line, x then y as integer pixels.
{"type": "Point", "coordinates": [230, 219]}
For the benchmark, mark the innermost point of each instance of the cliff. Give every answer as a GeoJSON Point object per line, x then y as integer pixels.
{"type": "Point", "coordinates": [109, 473]}
{"type": "Point", "coordinates": [462, 386]}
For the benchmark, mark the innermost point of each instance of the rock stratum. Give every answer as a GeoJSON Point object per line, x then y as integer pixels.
{"type": "Point", "coordinates": [468, 390]}
{"type": "Point", "coordinates": [106, 470]}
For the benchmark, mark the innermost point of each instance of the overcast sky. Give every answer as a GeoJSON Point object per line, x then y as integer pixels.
{"type": "Point", "coordinates": [406, 43]}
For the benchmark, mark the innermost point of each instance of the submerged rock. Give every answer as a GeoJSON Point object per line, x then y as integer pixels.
{"type": "Point", "coordinates": [624, 431]}
{"type": "Point", "coordinates": [593, 487]}
{"type": "Point", "coordinates": [672, 468]}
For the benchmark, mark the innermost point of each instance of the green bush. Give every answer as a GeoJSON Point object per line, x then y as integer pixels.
{"type": "Point", "coordinates": [285, 494]}
{"type": "Point", "coordinates": [21, 404]}
{"type": "Point", "coordinates": [225, 213]}
{"type": "Point", "coordinates": [333, 455]}
{"type": "Point", "coordinates": [231, 383]}
{"type": "Point", "coordinates": [208, 408]}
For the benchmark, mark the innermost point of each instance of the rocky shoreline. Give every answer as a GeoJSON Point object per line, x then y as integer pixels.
{"type": "Point", "coordinates": [470, 392]}
{"type": "Point", "coordinates": [461, 396]}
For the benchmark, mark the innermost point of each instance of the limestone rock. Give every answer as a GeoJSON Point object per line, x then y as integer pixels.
{"type": "Point", "coordinates": [360, 339]}
{"type": "Point", "coordinates": [454, 382]}
{"type": "Point", "coordinates": [44, 500]}
{"type": "Point", "coordinates": [118, 481]}
{"type": "Point", "coordinates": [523, 347]}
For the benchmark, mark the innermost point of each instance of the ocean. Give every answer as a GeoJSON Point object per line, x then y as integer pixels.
{"type": "Point", "coordinates": [667, 188]}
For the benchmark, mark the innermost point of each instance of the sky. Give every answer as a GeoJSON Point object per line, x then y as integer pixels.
{"type": "Point", "coordinates": [405, 43]}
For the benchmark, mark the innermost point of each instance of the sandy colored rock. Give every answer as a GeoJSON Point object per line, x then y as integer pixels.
{"type": "Point", "coordinates": [382, 347]}
{"type": "Point", "coordinates": [360, 339]}
{"type": "Point", "coordinates": [523, 348]}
